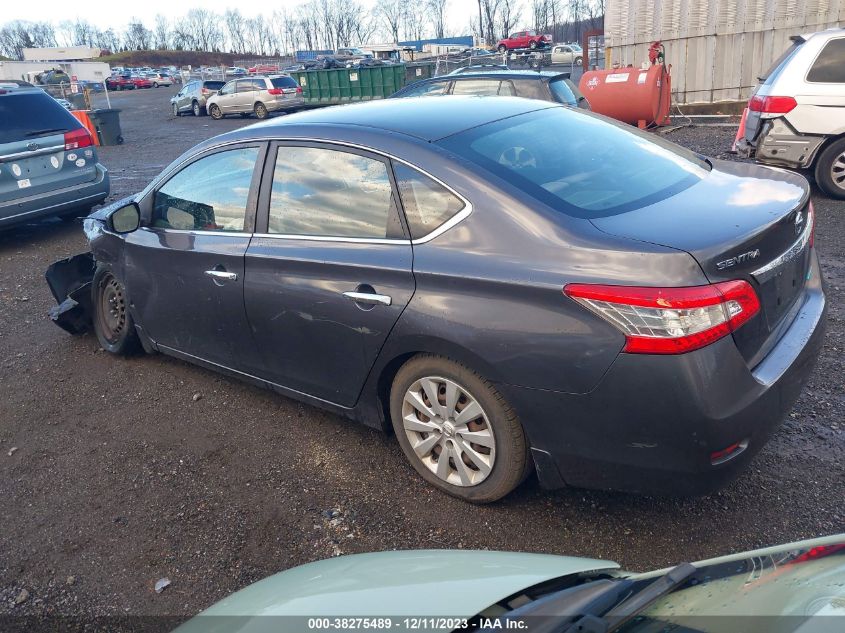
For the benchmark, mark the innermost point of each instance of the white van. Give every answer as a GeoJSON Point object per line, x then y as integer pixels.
{"type": "Point", "coordinates": [796, 116]}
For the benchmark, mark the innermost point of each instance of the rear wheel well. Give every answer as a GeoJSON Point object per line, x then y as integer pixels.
{"type": "Point", "coordinates": [385, 381]}
{"type": "Point", "coordinates": [823, 146]}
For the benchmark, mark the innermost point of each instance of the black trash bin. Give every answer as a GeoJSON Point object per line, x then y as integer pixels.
{"type": "Point", "coordinates": [107, 123]}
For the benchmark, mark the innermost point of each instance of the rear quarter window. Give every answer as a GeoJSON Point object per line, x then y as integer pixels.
{"type": "Point", "coordinates": [24, 114]}
{"type": "Point", "coordinates": [829, 67]}
{"type": "Point", "coordinates": [214, 85]}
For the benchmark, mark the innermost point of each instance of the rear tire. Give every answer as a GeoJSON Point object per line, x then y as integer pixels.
{"type": "Point", "coordinates": [532, 45]}
{"type": "Point", "coordinates": [502, 48]}
{"type": "Point", "coordinates": [260, 111]}
{"type": "Point", "coordinates": [579, 61]}
{"type": "Point", "coordinates": [830, 170]}
{"type": "Point", "coordinates": [487, 451]}
{"type": "Point", "coordinates": [197, 109]}
{"type": "Point", "coordinates": [215, 112]}
{"type": "Point", "coordinates": [113, 323]}
{"type": "Point", "coordinates": [155, 85]}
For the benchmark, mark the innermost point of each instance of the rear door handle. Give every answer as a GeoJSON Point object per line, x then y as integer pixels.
{"type": "Point", "coordinates": [221, 275]}
{"type": "Point", "coordinates": [368, 298]}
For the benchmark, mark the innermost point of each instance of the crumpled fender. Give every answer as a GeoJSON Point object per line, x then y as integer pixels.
{"type": "Point", "coordinates": [70, 282]}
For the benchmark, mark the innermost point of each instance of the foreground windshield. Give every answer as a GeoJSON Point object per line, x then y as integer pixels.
{"type": "Point", "coordinates": [582, 165]}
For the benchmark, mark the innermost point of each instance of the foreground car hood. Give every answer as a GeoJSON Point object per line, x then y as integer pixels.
{"type": "Point", "coordinates": [457, 583]}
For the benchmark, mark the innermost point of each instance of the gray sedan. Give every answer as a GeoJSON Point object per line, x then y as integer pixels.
{"type": "Point", "coordinates": [508, 284]}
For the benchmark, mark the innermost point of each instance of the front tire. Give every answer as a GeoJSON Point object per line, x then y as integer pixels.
{"type": "Point", "coordinates": [260, 110]}
{"type": "Point", "coordinates": [579, 61]}
{"type": "Point", "coordinates": [215, 112]}
{"type": "Point", "coordinates": [830, 170]}
{"type": "Point", "coordinates": [532, 45]}
{"type": "Point", "coordinates": [113, 323]}
{"type": "Point", "coordinates": [457, 430]}
{"type": "Point", "coordinates": [502, 48]}
{"type": "Point", "coordinates": [176, 110]}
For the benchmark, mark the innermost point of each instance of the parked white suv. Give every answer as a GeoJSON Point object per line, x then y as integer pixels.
{"type": "Point", "coordinates": [796, 116]}
{"type": "Point", "coordinates": [256, 95]}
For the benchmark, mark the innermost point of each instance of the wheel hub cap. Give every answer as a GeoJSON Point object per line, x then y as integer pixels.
{"type": "Point", "coordinates": [449, 431]}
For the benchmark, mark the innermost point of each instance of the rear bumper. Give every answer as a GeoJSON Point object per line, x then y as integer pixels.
{"type": "Point", "coordinates": [285, 104]}
{"type": "Point", "coordinates": [653, 422]}
{"type": "Point", "coordinates": [775, 142]}
{"type": "Point", "coordinates": [82, 196]}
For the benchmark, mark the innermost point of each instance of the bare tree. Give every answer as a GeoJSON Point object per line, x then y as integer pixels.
{"type": "Point", "coordinates": [437, 16]}
{"type": "Point", "coordinates": [137, 37]}
{"type": "Point", "coordinates": [161, 32]}
{"type": "Point", "coordinates": [234, 22]}
{"type": "Point", "coordinates": [391, 13]}
{"type": "Point", "coordinates": [204, 25]}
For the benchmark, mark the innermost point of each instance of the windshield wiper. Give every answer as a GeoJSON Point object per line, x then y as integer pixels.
{"type": "Point", "coordinates": [589, 608]}
{"type": "Point", "coordinates": [47, 131]}
{"type": "Point", "coordinates": [628, 609]}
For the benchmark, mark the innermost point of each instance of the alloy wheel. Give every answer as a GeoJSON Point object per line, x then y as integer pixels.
{"type": "Point", "coordinates": [112, 308]}
{"type": "Point", "coordinates": [449, 431]}
{"type": "Point", "coordinates": [837, 171]}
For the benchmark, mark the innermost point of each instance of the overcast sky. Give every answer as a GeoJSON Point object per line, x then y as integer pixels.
{"type": "Point", "coordinates": [116, 13]}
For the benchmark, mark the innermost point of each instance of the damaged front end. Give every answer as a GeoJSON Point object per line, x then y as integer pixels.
{"type": "Point", "coordinates": [70, 282]}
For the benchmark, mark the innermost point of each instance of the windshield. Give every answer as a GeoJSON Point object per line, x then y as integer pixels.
{"type": "Point", "coordinates": [580, 164]}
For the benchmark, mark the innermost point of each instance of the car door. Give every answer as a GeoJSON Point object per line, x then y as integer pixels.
{"type": "Point", "coordinates": [182, 98]}
{"type": "Point", "coordinates": [244, 95]}
{"type": "Point", "coordinates": [185, 265]}
{"type": "Point", "coordinates": [329, 270]}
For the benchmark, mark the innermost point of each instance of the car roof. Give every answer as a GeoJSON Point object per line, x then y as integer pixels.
{"type": "Point", "coordinates": [425, 118]}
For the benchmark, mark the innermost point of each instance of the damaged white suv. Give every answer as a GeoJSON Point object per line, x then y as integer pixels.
{"type": "Point", "coordinates": [796, 116]}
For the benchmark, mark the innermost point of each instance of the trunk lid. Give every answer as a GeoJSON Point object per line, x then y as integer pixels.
{"type": "Point", "coordinates": [742, 221]}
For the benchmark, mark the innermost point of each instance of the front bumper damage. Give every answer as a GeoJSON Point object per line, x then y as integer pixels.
{"type": "Point", "coordinates": [70, 282]}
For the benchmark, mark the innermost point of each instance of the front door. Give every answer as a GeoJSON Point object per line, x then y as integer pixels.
{"type": "Point", "coordinates": [244, 95]}
{"type": "Point", "coordinates": [187, 261]}
{"type": "Point", "coordinates": [328, 272]}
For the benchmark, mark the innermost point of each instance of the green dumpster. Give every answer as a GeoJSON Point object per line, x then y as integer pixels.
{"type": "Point", "coordinates": [418, 70]}
{"type": "Point", "coordinates": [347, 85]}
{"type": "Point", "coordinates": [107, 123]}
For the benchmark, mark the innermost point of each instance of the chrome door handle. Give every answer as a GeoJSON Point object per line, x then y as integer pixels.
{"type": "Point", "coordinates": [222, 274]}
{"type": "Point", "coordinates": [368, 298]}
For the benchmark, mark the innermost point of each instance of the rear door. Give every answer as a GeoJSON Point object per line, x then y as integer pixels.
{"type": "Point", "coordinates": [33, 158]}
{"type": "Point", "coordinates": [187, 261]}
{"type": "Point", "coordinates": [329, 270]}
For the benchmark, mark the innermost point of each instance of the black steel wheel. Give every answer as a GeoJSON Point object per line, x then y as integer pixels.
{"type": "Point", "coordinates": [113, 323]}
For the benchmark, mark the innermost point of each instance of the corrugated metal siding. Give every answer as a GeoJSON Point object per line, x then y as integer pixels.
{"type": "Point", "coordinates": [717, 48]}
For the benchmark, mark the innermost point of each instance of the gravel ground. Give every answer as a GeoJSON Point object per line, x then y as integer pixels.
{"type": "Point", "coordinates": [115, 473]}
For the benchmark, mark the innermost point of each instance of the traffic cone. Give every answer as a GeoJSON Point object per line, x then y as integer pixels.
{"type": "Point", "coordinates": [741, 132]}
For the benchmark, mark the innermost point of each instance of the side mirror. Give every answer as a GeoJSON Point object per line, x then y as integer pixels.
{"type": "Point", "coordinates": [125, 219]}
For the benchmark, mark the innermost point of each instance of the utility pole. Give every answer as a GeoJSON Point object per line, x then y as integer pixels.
{"type": "Point", "coordinates": [480, 23]}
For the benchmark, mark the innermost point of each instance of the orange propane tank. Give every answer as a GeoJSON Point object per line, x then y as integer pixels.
{"type": "Point", "coordinates": [633, 95]}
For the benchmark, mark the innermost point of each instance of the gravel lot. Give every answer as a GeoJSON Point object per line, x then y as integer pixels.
{"type": "Point", "coordinates": [115, 473]}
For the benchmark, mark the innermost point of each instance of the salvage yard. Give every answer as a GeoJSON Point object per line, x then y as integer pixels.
{"type": "Point", "coordinates": [116, 473]}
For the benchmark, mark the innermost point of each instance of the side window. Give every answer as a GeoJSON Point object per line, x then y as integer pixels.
{"type": "Point", "coordinates": [432, 89]}
{"type": "Point", "coordinates": [829, 67]}
{"type": "Point", "coordinates": [227, 89]}
{"type": "Point", "coordinates": [209, 194]}
{"type": "Point", "coordinates": [245, 85]}
{"type": "Point", "coordinates": [330, 193]}
{"type": "Point", "coordinates": [427, 203]}
{"type": "Point", "coordinates": [482, 87]}
{"type": "Point", "coordinates": [259, 84]}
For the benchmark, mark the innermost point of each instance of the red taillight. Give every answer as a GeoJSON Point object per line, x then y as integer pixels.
{"type": "Point", "coordinates": [275, 91]}
{"type": "Point", "coordinates": [299, 90]}
{"type": "Point", "coordinates": [728, 453]}
{"type": "Point", "coordinates": [205, 91]}
{"type": "Point", "coordinates": [772, 105]}
{"type": "Point", "coordinates": [77, 138]}
{"type": "Point", "coordinates": [670, 320]}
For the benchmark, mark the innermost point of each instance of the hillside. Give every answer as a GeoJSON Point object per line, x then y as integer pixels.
{"type": "Point", "coordinates": [158, 58]}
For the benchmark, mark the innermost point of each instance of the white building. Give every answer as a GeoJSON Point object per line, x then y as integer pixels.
{"type": "Point", "coordinates": [717, 48]}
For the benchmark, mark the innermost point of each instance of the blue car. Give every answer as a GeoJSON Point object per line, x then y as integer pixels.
{"type": "Point", "coordinates": [48, 162]}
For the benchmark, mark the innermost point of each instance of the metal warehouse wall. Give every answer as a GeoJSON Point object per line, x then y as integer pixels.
{"type": "Point", "coordinates": [717, 48]}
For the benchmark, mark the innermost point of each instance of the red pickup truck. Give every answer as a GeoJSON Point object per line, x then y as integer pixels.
{"type": "Point", "coordinates": [524, 39]}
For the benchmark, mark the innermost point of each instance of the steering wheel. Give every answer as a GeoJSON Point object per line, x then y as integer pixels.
{"type": "Point", "coordinates": [517, 158]}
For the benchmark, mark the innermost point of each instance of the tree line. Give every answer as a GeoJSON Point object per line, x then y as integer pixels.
{"type": "Point", "coordinates": [314, 25]}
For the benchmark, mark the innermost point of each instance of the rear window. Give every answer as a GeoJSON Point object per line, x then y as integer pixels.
{"type": "Point", "coordinates": [214, 85]}
{"type": "Point", "coordinates": [580, 164]}
{"type": "Point", "coordinates": [283, 82]}
{"type": "Point", "coordinates": [31, 114]}
{"type": "Point", "coordinates": [829, 67]}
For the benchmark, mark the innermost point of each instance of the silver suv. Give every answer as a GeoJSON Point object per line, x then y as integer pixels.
{"type": "Point", "coordinates": [256, 95]}
{"type": "Point", "coordinates": [796, 116]}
